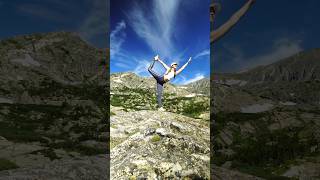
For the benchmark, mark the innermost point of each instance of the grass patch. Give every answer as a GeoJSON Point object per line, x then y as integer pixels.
{"type": "Point", "coordinates": [135, 99]}
{"type": "Point", "coordinates": [13, 42]}
{"type": "Point", "coordinates": [6, 164]}
{"type": "Point", "coordinates": [114, 126]}
{"type": "Point", "coordinates": [155, 138]}
{"type": "Point", "coordinates": [267, 154]}
{"type": "Point", "coordinates": [74, 146]}
{"type": "Point", "coordinates": [115, 141]}
{"type": "Point", "coordinates": [47, 153]}
{"type": "Point", "coordinates": [139, 99]}
{"type": "Point", "coordinates": [260, 171]}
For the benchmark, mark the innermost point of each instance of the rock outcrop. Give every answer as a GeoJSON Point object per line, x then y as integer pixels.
{"type": "Point", "coordinates": [53, 113]}
{"type": "Point", "coordinates": [93, 167]}
{"type": "Point", "coordinates": [151, 144]}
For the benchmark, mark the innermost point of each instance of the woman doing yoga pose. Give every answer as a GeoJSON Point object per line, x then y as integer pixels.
{"type": "Point", "coordinates": [170, 73]}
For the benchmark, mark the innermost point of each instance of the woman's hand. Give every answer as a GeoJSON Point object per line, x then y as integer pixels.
{"type": "Point", "coordinates": [156, 58]}
{"type": "Point", "coordinates": [189, 60]}
{"type": "Point", "coordinates": [252, 1]}
{"type": "Point", "coordinates": [184, 66]}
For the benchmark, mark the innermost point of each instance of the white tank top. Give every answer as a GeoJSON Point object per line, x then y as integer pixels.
{"type": "Point", "coordinates": [170, 75]}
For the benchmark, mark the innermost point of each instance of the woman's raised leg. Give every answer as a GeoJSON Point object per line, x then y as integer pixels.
{"type": "Point", "coordinates": [154, 74]}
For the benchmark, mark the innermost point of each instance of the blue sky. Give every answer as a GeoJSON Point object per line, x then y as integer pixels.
{"type": "Point", "coordinates": [174, 29]}
{"type": "Point", "coordinates": [87, 17]}
{"type": "Point", "coordinates": [270, 31]}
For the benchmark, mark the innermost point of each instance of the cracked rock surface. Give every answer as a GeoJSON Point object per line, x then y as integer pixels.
{"type": "Point", "coordinates": [151, 144]}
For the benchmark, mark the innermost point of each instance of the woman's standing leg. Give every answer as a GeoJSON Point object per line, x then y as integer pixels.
{"type": "Point", "coordinates": [159, 94]}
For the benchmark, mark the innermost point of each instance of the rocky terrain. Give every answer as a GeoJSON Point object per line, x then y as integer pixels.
{"type": "Point", "coordinates": [147, 143]}
{"type": "Point", "coordinates": [54, 118]}
{"type": "Point", "coordinates": [266, 120]}
{"type": "Point", "coordinates": [53, 108]}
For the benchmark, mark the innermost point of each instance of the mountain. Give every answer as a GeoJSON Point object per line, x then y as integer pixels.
{"type": "Point", "coordinates": [274, 131]}
{"type": "Point", "coordinates": [294, 79]}
{"type": "Point", "coordinates": [52, 103]}
{"type": "Point", "coordinates": [303, 66]}
{"type": "Point", "coordinates": [200, 86]}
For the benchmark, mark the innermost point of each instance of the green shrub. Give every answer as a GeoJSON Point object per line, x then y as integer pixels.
{"type": "Point", "coordinates": [6, 164]}
{"type": "Point", "coordinates": [155, 138]}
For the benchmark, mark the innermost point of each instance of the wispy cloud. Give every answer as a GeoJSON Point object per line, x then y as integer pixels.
{"type": "Point", "coordinates": [122, 65]}
{"type": "Point", "coordinates": [281, 48]}
{"type": "Point", "coordinates": [96, 23]}
{"type": "Point", "coordinates": [156, 26]}
{"type": "Point", "coordinates": [117, 37]}
{"type": "Point", "coordinates": [93, 22]}
{"type": "Point", "coordinates": [184, 81]}
{"type": "Point", "coordinates": [141, 68]}
{"type": "Point", "coordinates": [42, 11]}
{"type": "Point", "coordinates": [205, 52]}
{"type": "Point", "coordinates": [53, 10]}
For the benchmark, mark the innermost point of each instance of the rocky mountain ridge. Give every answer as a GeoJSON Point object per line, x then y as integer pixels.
{"type": "Point", "coordinates": [274, 132]}
{"type": "Point", "coordinates": [49, 110]}
{"type": "Point", "coordinates": [303, 66]}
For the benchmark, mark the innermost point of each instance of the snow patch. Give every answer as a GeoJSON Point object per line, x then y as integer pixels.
{"type": "Point", "coordinates": [26, 61]}
{"type": "Point", "coordinates": [6, 100]}
{"type": "Point", "coordinates": [256, 108]}
{"type": "Point", "coordinates": [194, 95]}
{"type": "Point", "coordinates": [231, 82]}
{"type": "Point", "coordinates": [124, 75]}
{"type": "Point", "coordinates": [288, 103]}
{"type": "Point", "coordinates": [191, 95]}
{"type": "Point", "coordinates": [117, 81]}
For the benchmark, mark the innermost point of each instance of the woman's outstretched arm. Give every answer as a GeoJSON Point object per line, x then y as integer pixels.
{"type": "Point", "coordinates": [163, 64]}
{"type": "Point", "coordinates": [222, 30]}
{"type": "Point", "coordinates": [184, 66]}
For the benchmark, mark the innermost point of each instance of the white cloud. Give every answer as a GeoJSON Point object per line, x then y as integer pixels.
{"type": "Point", "coordinates": [197, 77]}
{"type": "Point", "coordinates": [142, 68]}
{"type": "Point", "coordinates": [122, 65]}
{"type": "Point", "coordinates": [282, 48]}
{"type": "Point", "coordinates": [156, 27]}
{"type": "Point", "coordinates": [205, 52]}
{"type": "Point", "coordinates": [117, 38]}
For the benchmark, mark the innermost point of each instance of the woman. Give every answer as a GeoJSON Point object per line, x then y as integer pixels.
{"type": "Point", "coordinates": [171, 72]}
